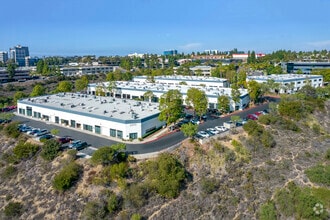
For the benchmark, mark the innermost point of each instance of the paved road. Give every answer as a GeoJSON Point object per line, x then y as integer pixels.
{"type": "Point", "coordinates": [153, 146]}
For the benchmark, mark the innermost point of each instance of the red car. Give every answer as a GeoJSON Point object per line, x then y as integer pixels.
{"type": "Point", "coordinates": [64, 140]}
{"type": "Point", "coordinates": [252, 117]}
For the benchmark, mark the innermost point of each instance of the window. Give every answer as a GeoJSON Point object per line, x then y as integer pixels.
{"type": "Point", "coordinates": [87, 127]}
{"type": "Point", "coordinates": [21, 111]}
{"type": "Point", "coordinates": [35, 114]}
{"type": "Point", "coordinates": [113, 132]}
{"type": "Point", "coordinates": [28, 111]}
{"type": "Point", "coordinates": [132, 136]}
{"type": "Point", "coordinates": [57, 120]}
{"type": "Point", "coordinates": [97, 129]}
{"type": "Point", "coordinates": [72, 123]}
{"type": "Point", "coordinates": [119, 134]}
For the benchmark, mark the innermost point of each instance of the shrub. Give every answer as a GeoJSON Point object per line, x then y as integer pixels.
{"type": "Point", "coordinates": [13, 209]}
{"type": "Point", "coordinates": [66, 177]}
{"type": "Point", "coordinates": [288, 125]}
{"type": "Point", "coordinates": [8, 172]}
{"type": "Point", "coordinates": [94, 210]}
{"type": "Point", "coordinates": [11, 130]}
{"type": "Point", "coordinates": [166, 174]}
{"type": "Point", "coordinates": [136, 195]}
{"type": "Point", "coordinates": [50, 150]}
{"type": "Point", "coordinates": [298, 202]}
{"type": "Point", "coordinates": [108, 155]}
{"type": "Point", "coordinates": [267, 119]}
{"type": "Point", "coordinates": [253, 128]}
{"type": "Point", "coordinates": [136, 216]}
{"type": "Point", "coordinates": [113, 203]}
{"type": "Point", "coordinates": [25, 150]}
{"type": "Point", "coordinates": [10, 158]}
{"type": "Point", "coordinates": [209, 185]}
{"type": "Point", "coordinates": [267, 140]}
{"type": "Point", "coordinates": [327, 154]}
{"type": "Point", "coordinates": [267, 211]}
{"type": "Point", "coordinates": [319, 174]}
{"type": "Point", "coordinates": [291, 109]}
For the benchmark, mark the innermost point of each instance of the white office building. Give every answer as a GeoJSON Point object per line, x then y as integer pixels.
{"type": "Point", "coordinates": [188, 80]}
{"type": "Point", "coordinates": [290, 83]}
{"type": "Point", "coordinates": [85, 70]}
{"type": "Point", "coordinates": [137, 90]}
{"type": "Point", "coordinates": [201, 70]}
{"type": "Point", "coordinates": [108, 116]}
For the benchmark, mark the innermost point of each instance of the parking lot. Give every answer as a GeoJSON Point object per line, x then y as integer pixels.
{"type": "Point", "coordinates": [96, 141]}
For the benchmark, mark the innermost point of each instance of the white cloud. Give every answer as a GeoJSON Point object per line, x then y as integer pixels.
{"type": "Point", "coordinates": [320, 44]}
{"type": "Point", "coordinates": [190, 46]}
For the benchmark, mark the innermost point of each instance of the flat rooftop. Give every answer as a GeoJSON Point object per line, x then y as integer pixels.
{"type": "Point", "coordinates": [185, 78]}
{"type": "Point", "coordinates": [121, 109]}
{"type": "Point", "coordinates": [163, 88]}
{"type": "Point", "coordinates": [284, 77]}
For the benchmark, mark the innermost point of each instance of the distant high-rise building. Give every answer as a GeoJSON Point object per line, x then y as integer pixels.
{"type": "Point", "coordinates": [3, 56]}
{"type": "Point", "coordinates": [170, 52]}
{"type": "Point", "coordinates": [18, 54]}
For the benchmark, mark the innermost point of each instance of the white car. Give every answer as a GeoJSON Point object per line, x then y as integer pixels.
{"type": "Point", "coordinates": [221, 128]}
{"type": "Point", "coordinates": [203, 134]}
{"type": "Point", "coordinates": [213, 131]}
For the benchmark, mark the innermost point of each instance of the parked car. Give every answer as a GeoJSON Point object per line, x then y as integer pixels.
{"type": "Point", "coordinates": [221, 128]}
{"type": "Point", "coordinates": [204, 134]}
{"type": "Point", "coordinates": [33, 131]}
{"type": "Point", "coordinates": [195, 121]}
{"type": "Point", "coordinates": [44, 137]}
{"type": "Point", "coordinates": [213, 131]}
{"type": "Point", "coordinates": [252, 117]}
{"type": "Point", "coordinates": [174, 128]}
{"type": "Point", "coordinates": [197, 136]}
{"type": "Point", "coordinates": [78, 145]}
{"type": "Point", "coordinates": [25, 129]}
{"type": "Point", "coordinates": [64, 140]}
{"type": "Point", "coordinates": [41, 132]}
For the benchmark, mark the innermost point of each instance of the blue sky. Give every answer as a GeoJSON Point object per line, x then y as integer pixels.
{"type": "Point", "coordinates": [119, 27]}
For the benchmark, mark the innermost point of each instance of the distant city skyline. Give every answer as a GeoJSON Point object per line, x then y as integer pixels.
{"type": "Point", "coordinates": [105, 27]}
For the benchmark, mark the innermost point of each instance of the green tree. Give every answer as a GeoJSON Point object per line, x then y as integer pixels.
{"type": "Point", "coordinates": [149, 94]}
{"type": "Point", "coordinates": [235, 94]}
{"type": "Point", "coordinates": [19, 95]}
{"type": "Point", "coordinates": [126, 63]}
{"type": "Point", "coordinates": [50, 150]}
{"type": "Point", "coordinates": [254, 90]}
{"type": "Point", "coordinates": [198, 99]}
{"type": "Point", "coordinates": [189, 129]}
{"type": "Point", "coordinates": [40, 66]}
{"type": "Point", "coordinates": [112, 87]}
{"type": "Point", "coordinates": [82, 83]}
{"type": "Point", "coordinates": [64, 86]}
{"type": "Point", "coordinates": [170, 106]}
{"type": "Point", "coordinates": [37, 90]}
{"type": "Point", "coordinates": [223, 104]}
{"type": "Point", "coordinates": [11, 69]}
